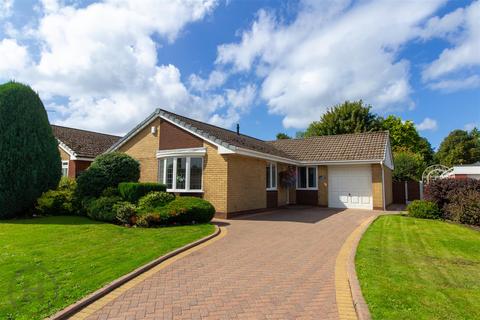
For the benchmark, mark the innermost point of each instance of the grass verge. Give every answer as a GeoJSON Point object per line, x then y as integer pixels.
{"type": "Point", "coordinates": [419, 269]}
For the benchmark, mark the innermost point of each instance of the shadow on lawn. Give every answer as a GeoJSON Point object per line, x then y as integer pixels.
{"type": "Point", "coordinates": [58, 220]}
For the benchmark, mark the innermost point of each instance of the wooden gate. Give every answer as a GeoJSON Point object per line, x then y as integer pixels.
{"type": "Point", "coordinates": [405, 191]}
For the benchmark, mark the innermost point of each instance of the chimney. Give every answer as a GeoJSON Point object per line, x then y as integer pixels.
{"type": "Point", "coordinates": [238, 128]}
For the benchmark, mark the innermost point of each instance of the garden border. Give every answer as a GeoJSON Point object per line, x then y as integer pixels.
{"type": "Point", "coordinates": [85, 302]}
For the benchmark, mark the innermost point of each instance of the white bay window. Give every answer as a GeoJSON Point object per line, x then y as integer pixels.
{"type": "Point", "coordinates": [182, 174]}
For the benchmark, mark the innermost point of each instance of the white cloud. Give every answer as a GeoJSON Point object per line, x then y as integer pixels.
{"type": "Point", "coordinates": [214, 80]}
{"type": "Point", "coordinates": [451, 85]}
{"type": "Point", "coordinates": [427, 124]}
{"type": "Point", "coordinates": [471, 126]}
{"type": "Point", "coordinates": [331, 52]}
{"type": "Point", "coordinates": [5, 8]}
{"type": "Point", "coordinates": [102, 61]}
{"type": "Point", "coordinates": [465, 52]}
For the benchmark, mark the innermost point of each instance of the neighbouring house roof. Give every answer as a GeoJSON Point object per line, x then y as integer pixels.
{"type": "Point", "coordinates": [342, 147]}
{"type": "Point", "coordinates": [82, 143]}
{"type": "Point", "coordinates": [370, 146]}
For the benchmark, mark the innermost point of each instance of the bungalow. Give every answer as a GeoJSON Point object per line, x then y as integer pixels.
{"type": "Point", "coordinates": [78, 148]}
{"type": "Point", "coordinates": [238, 173]}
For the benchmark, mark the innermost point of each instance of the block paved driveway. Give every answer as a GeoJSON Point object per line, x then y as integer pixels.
{"type": "Point", "coordinates": [276, 265]}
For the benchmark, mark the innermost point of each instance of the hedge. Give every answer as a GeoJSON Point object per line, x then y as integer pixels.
{"type": "Point", "coordinates": [424, 209]}
{"type": "Point", "coordinates": [133, 191]}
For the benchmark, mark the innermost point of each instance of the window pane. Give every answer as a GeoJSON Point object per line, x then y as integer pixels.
{"type": "Point", "coordinates": [196, 173]}
{"type": "Point", "coordinates": [312, 177]}
{"type": "Point", "coordinates": [169, 173]}
{"type": "Point", "coordinates": [181, 172]}
{"type": "Point", "coordinates": [161, 167]}
{"type": "Point", "coordinates": [268, 176]}
{"type": "Point", "coordinates": [274, 175]}
{"type": "Point", "coordinates": [302, 177]}
{"type": "Point", "coordinates": [64, 168]}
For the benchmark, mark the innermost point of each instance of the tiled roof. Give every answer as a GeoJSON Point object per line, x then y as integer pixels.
{"type": "Point", "coordinates": [227, 136]}
{"type": "Point", "coordinates": [361, 146]}
{"type": "Point", "coordinates": [84, 143]}
{"type": "Point", "coordinates": [342, 147]}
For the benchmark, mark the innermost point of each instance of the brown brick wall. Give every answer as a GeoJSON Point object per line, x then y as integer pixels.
{"type": "Point", "coordinates": [246, 183]}
{"type": "Point", "coordinates": [215, 172]}
{"type": "Point", "coordinates": [173, 137]}
{"type": "Point", "coordinates": [377, 190]}
{"type": "Point", "coordinates": [388, 186]}
{"type": "Point", "coordinates": [323, 186]}
{"type": "Point", "coordinates": [143, 147]}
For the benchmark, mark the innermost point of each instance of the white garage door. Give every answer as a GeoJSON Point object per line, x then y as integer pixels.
{"type": "Point", "coordinates": [350, 187]}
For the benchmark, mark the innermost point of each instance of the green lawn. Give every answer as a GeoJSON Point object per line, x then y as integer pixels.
{"type": "Point", "coordinates": [420, 269]}
{"type": "Point", "coordinates": [48, 263]}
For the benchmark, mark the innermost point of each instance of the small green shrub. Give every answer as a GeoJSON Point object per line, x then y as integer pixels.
{"type": "Point", "coordinates": [101, 209]}
{"type": "Point", "coordinates": [56, 203]}
{"type": "Point", "coordinates": [133, 191]}
{"type": "Point", "coordinates": [155, 199]}
{"type": "Point", "coordinates": [125, 212]}
{"type": "Point", "coordinates": [108, 170]}
{"type": "Point", "coordinates": [182, 210]}
{"type": "Point", "coordinates": [67, 184]}
{"type": "Point", "coordinates": [424, 209]}
{"type": "Point", "coordinates": [110, 192]}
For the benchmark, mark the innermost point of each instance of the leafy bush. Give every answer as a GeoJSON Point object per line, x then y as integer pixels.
{"type": "Point", "coordinates": [60, 201]}
{"type": "Point", "coordinates": [110, 192]}
{"type": "Point", "coordinates": [441, 191]}
{"type": "Point", "coordinates": [154, 200]}
{"type": "Point", "coordinates": [125, 212]}
{"type": "Point", "coordinates": [108, 170]}
{"type": "Point", "coordinates": [464, 207]}
{"type": "Point", "coordinates": [424, 209]}
{"type": "Point", "coordinates": [101, 209]}
{"type": "Point", "coordinates": [182, 210]}
{"type": "Point", "coordinates": [56, 203]}
{"type": "Point", "coordinates": [29, 157]}
{"type": "Point", "coordinates": [133, 191]}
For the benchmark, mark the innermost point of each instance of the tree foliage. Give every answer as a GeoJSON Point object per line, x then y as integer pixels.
{"type": "Point", "coordinates": [459, 147]}
{"type": "Point", "coordinates": [405, 137]}
{"type": "Point", "coordinates": [282, 135]}
{"type": "Point", "coordinates": [29, 158]}
{"type": "Point", "coordinates": [348, 117]}
{"type": "Point", "coordinates": [408, 165]}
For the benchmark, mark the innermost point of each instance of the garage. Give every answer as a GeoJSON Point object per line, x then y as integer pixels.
{"type": "Point", "coordinates": [350, 186]}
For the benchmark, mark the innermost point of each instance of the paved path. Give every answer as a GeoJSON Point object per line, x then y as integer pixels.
{"type": "Point", "coordinates": [277, 265]}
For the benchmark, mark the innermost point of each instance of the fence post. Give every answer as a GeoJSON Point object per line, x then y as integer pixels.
{"type": "Point", "coordinates": [421, 189]}
{"type": "Point", "coordinates": [406, 192]}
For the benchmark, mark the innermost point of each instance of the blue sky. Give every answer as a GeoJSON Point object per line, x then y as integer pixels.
{"type": "Point", "coordinates": [271, 66]}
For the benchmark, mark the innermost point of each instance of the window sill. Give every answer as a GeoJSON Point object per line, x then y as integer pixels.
{"type": "Point", "coordinates": [271, 189]}
{"type": "Point", "coordinates": [184, 191]}
{"type": "Point", "coordinates": [307, 189]}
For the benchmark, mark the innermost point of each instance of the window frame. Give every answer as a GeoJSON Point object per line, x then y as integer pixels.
{"type": "Point", "coordinates": [65, 165]}
{"type": "Point", "coordinates": [270, 165]}
{"type": "Point", "coordinates": [306, 177]}
{"type": "Point", "coordinates": [187, 189]}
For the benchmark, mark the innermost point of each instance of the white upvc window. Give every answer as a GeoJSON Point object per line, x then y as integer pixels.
{"type": "Point", "coordinates": [181, 174]}
{"type": "Point", "coordinates": [307, 178]}
{"type": "Point", "coordinates": [64, 168]}
{"type": "Point", "coordinates": [271, 171]}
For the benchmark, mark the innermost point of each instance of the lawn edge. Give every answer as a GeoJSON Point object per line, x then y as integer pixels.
{"type": "Point", "coordinates": [74, 308]}
{"type": "Point", "coordinates": [359, 303]}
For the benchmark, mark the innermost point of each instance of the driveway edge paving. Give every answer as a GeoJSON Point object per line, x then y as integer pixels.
{"type": "Point", "coordinates": [85, 306]}
{"type": "Point", "coordinates": [350, 302]}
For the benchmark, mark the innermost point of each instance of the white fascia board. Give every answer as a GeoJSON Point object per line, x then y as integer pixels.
{"type": "Point", "coordinates": [84, 159]}
{"type": "Point", "coordinates": [261, 155]}
{"type": "Point", "coordinates": [466, 170]}
{"type": "Point", "coordinates": [187, 152]}
{"type": "Point", "coordinates": [64, 147]}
